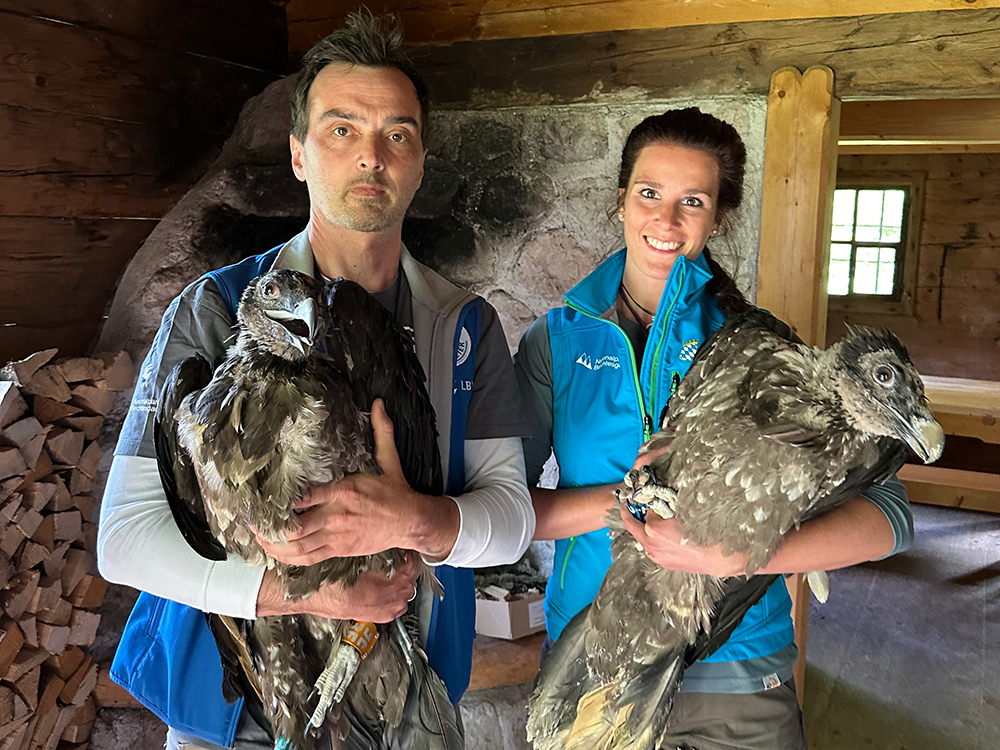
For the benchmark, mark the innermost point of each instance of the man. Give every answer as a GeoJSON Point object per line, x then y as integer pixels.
{"type": "Point", "coordinates": [359, 117]}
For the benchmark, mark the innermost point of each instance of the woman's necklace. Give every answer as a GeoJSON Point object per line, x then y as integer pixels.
{"type": "Point", "coordinates": [625, 296]}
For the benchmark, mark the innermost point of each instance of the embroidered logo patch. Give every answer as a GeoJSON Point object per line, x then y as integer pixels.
{"type": "Point", "coordinates": [584, 359]}
{"type": "Point", "coordinates": [464, 347]}
{"type": "Point", "coordinates": [689, 349]}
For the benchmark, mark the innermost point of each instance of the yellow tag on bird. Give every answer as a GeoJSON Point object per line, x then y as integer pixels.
{"type": "Point", "coordinates": [362, 636]}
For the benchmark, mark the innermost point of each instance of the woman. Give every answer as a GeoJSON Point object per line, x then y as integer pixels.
{"type": "Point", "coordinates": [596, 376]}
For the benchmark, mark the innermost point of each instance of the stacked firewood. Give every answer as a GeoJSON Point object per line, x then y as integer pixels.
{"type": "Point", "coordinates": [51, 412]}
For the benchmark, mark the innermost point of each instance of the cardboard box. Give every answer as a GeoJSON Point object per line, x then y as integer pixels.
{"type": "Point", "coordinates": [521, 615]}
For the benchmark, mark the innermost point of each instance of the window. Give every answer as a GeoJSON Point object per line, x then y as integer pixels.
{"type": "Point", "coordinates": [872, 243]}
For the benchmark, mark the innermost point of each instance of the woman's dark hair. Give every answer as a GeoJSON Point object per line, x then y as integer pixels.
{"type": "Point", "coordinates": [695, 129]}
{"type": "Point", "coordinates": [366, 40]}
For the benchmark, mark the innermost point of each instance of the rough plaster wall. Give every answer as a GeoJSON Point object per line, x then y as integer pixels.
{"type": "Point", "coordinates": [515, 202]}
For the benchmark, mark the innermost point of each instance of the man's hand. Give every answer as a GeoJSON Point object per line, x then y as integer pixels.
{"type": "Point", "coordinates": [364, 514]}
{"type": "Point", "coordinates": [372, 598]}
{"type": "Point", "coordinates": [663, 542]}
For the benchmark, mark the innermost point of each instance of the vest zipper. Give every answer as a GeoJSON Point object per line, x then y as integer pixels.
{"type": "Point", "coordinates": [659, 344]}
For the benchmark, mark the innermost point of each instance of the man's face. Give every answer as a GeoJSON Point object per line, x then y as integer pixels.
{"type": "Point", "coordinates": [362, 158]}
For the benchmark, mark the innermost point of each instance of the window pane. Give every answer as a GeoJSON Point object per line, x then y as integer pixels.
{"type": "Point", "coordinates": [866, 271]}
{"type": "Point", "coordinates": [886, 277]}
{"type": "Point", "coordinates": [887, 255]}
{"type": "Point", "coordinates": [891, 234]}
{"type": "Point", "coordinates": [892, 208]}
{"type": "Point", "coordinates": [839, 251]}
{"type": "Point", "coordinates": [870, 208]}
{"type": "Point", "coordinates": [868, 254]}
{"type": "Point", "coordinates": [843, 215]}
{"type": "Point", "coordinates": [840, 272]}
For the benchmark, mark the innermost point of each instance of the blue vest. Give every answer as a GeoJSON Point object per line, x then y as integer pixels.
{"type": "Point", "coordinates": [601, 399]}
{"type": "Point", "coordinates": [167, 657]}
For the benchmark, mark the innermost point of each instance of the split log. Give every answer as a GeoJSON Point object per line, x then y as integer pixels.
{"type": "Point", "coordinates": [93, 401]}
{"type": "Point", "coordinates": [11, 462]}
{"type": "Point", "coordinates": [77, 369]}
{"type": "Point", "coordinates": [12, 403]}
{"type": "Point", "coordinates": [90, 426]}
{"type": "Point", "coordinates": [83, 627]}
{"type": "Point", "coordinates": [47, 410]}
{"type": "Point", "coordinates": [23, 370]}
{"type": "Point", "coordinates": [48, 382]}
{"type": "Point", "coordinates": [89, 592]}
{"type": "Point", "coordinates": [65, 446]}
{"type": "Point", "coordinates": [90, 459]}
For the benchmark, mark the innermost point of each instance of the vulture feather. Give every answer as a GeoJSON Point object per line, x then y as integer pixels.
{"type": "Point", "coordinates": [764, 433]}
{"type": "Point", "coordinates": [238, 447]}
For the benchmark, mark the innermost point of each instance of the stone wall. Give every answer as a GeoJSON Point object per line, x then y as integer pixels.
{"type": "Point", "coordinates": [515, 202]}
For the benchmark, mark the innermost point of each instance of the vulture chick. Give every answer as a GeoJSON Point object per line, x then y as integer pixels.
{"type": "Point", "coordinates": [764, 433]}
{"type": "Point", "coordinates": [238, 447]}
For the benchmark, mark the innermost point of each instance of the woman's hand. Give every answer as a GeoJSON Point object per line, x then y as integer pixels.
{"type": "Point", "coordinates": [664, 544]}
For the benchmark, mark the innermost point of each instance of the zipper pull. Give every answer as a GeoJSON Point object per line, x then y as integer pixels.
{"type": "Point", "coordinates": [647, 427]}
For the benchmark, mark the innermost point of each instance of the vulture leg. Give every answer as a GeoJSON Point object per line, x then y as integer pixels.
{"type": "Point", "coordinates": [333, 681]}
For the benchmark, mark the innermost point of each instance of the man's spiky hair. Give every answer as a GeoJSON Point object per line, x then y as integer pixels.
{"type": "Point", "coordinates": [365, 39]}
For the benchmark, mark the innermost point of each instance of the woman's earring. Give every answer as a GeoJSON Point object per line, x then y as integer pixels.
{"type": "Point", "coordinates": [715, 232]}
{"type": "Point", "coordinates": [621, 216]}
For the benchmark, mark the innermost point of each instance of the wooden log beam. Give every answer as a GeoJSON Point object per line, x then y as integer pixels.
{"type": "Point", "coordinates": [800, 163]}
{"type": "Point", "coordinates": [927, 55]}
{"type": "Point", "coordinates": [952, 488]}
{"type": "Point", "coordinates": [448, 21]}
{"type": "Point", "coordinates": [247, 32]}
{"type": "Point", "coordinates": [98, 74]}
{"type": "Point", "coordinates": [56, 276]}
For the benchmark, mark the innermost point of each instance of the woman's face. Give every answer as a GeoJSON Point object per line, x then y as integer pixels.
{"type": "Point", "coordinates": [670, 207]}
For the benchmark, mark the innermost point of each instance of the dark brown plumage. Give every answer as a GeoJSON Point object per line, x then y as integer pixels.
{"type": "Point", "coordinates": [764, 433]}
{"type": "Point", "coordinates": [238, 447]}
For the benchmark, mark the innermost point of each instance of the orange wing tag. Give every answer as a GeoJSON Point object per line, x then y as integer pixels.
{"type": "Point", "coordinates": [362, 636]}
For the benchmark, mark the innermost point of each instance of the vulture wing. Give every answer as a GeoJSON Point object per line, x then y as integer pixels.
{"type": "Point", "coordinates": [363, 327]}
{"type": "Point", "coordinates": [176, 471]}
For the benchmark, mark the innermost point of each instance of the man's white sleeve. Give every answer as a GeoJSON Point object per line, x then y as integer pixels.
{"type": "Point", "coordinates": [497, 518]}
{"type": "Point", "coordinates": [139, 545]}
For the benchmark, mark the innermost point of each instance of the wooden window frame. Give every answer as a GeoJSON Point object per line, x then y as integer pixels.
{"type": "Point", "coordinates": [914, 182]}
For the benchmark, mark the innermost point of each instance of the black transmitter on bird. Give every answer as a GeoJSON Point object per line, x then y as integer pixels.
{"type": "Point", "coordinates": [764, 433]}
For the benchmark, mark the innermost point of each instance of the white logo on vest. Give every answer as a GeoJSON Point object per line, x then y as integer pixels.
{"type": "Point", "coordinates": [464, 347]}
{"type": "Point", "coordinates": [608, 360]}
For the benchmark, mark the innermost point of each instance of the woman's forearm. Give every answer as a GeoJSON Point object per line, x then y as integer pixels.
{"type": "Point", "coordinates": [560, 514]}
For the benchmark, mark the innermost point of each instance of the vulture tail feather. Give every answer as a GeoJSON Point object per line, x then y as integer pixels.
{"type": "Point", "coordinates": [644, 706]}
{"type": "Point", "coordinates": [429, 720]}
{"type": "Point", "coordinates": [561, 683]}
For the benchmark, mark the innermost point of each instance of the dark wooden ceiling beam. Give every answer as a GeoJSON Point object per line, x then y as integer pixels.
{"type": "Point", "coordinates": [941, 54]}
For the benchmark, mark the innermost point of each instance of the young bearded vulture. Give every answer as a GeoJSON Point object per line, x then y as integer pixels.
{"type": "Point", "coordinates": [764, 433]}
{"type": "Point", "coordinates": [237, 448]}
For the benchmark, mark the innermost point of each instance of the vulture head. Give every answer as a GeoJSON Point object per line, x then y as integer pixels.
{"type": "Point", "coordinates": [279, 312]}
{"type": "Point", "coordinates": [881, 390]}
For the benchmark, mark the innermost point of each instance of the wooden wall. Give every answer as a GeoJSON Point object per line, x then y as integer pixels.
{"type": "Point", "coordinates": [955, 327]}
{"type": "Point", "coordinates": [109, 111]}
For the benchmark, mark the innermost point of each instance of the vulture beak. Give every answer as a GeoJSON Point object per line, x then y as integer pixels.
{"type": "Point", "coordinates": [925, 437]}
{"type": "Point", "coordinates": [300, 323]}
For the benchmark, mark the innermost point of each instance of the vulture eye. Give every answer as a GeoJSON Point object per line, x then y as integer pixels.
{"type": "Point", "coordinates": [270, 290]}
{"type": "Point", "coordinates": [884, 375]}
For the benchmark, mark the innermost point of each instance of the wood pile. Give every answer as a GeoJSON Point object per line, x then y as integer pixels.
{"type": "Point", "coordinates": [51, 412]}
